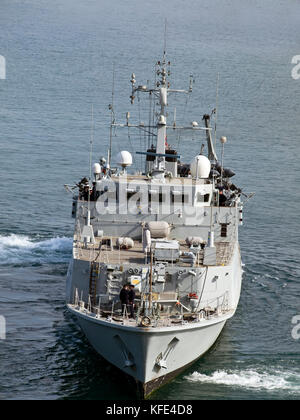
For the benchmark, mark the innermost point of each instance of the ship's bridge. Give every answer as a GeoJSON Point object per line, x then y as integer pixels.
{"type": "Point", "coordinates": [188, 206]}
{"type": "Point", "coordinates": [140, 190]}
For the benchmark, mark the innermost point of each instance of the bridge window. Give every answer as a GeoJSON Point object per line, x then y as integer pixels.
{"type": "Point", "coordinates": [224, 230]}
{"type": "Point", "coordinates": [203, 198]}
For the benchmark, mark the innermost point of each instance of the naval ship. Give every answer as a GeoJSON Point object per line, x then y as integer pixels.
{"type": "Point", "coordinates": [170, 230]}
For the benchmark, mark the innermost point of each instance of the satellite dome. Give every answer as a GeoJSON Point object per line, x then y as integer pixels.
{"type": "Point", "coordinates": [96, 169]}
{"type": "Point", "coordinates": [200, 167]}
{"type": "Point", "coordinates": [124, 159]}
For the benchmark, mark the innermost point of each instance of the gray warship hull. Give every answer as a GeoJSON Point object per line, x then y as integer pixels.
{"type": "Point", "coordinates": [114, 343]}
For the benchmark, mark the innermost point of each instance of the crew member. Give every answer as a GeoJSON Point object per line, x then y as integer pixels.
{"type": "Point", "coordinates": [124, 297]}
{"type": "Point", "coordinates": [222, 197]}
{"type": "Point", "coordinates": [131, 298]}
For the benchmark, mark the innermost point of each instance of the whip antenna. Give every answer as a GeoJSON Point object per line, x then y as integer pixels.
{"type": "Point", "coordinates": [216, 112]}
{"type": "Point", "coordinates": [91, 141]}
{"type": "Point", "coordinates": [111, 108]}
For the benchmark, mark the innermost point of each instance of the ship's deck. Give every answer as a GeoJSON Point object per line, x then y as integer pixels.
{"type": "Point", "coordinates": [185, 321]}
{"type": "Point", "coordinates": [107, 254]}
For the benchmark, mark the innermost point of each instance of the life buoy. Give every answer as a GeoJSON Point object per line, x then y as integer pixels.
{"type": "Point", "coordinates": [146, 321]}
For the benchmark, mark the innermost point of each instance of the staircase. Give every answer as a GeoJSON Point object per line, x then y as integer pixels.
{"type": "Point", "coordinates": [94, 275]}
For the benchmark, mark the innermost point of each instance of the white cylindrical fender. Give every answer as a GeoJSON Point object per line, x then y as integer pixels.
{"type": "Point", "coordinates": [194, 240]}
{"type": "Point", "coordinates": [158, 229]}
{"type": "Point", "coordinates": [125, 243]}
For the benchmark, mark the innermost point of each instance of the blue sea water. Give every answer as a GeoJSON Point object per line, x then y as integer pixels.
{"type": "Point", "coordinates": [59, 60]}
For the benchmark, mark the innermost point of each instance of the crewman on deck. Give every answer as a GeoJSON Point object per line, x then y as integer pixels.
{"type": "Point", "coordinates": [131, 298]}
{"type": "Point", "coordinates": [222, 196]}
{"type": "Point", "coordinates": [124, 297]}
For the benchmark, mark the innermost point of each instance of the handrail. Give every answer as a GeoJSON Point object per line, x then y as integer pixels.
{"type": "Point", "coordinates": [203, 314]}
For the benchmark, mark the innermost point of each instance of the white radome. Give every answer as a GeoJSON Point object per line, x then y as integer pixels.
{"type": "Point", "coordinates": [200, 167]}
{"type": "Point", "coordinates": [96, 169]}
{"type": "Point", "coordinates": [124, 159]}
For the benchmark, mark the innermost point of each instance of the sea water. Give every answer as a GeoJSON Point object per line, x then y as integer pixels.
{"type": "Point", "coordinates": [59, 58]}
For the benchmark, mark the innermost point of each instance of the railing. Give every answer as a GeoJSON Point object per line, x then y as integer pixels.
{"type": "Point", "coordinates": [217, 305]}
{"type": "Point", "coordinates": [112, 311]}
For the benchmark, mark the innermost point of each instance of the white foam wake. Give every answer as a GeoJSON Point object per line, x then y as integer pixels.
{"type": "Point", "coordinates": [251, 379]}
{"type": "Point", "coordinates": [15, 241]}
{"type": "Point", "coordinates": [19, 249]}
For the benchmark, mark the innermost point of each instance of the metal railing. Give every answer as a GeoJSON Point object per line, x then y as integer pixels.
{"type": "Point", "coordinates": [114, 311]}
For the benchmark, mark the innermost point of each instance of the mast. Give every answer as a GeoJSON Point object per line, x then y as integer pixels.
{"type": "Point", "coordinates": [160, 91]}
{"type": "Point", "coordinates": [211, 150]}
{"type": "Point", "coordinates": [162, 120]}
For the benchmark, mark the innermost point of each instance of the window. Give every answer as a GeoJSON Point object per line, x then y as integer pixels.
{"type": "Point", "coordinates": [157, 197]}
{"type": "Point", "coordinates": [180, 198]}
{"type": "Point", "coordinates": [224, 230]}
{"type": "Point", "coordinates": [203, 198]}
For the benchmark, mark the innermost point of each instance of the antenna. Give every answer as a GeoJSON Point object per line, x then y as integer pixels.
{"type": "Point", "coordinates": [111, 108]}
{"type": "Point", "coordinates": [223, 140]}
{"type": "Point", "coordinates": [165, 39]}
{"type": "Point", "coordinates": [174, 122]}
{"type": "Point", "coordinates": [91, 140]}
{"type": "Point", "coordinates": [91, 154]}
{"type": "Point", "coordinates": [216, 112]}
{"type": "Point", "coordinates": [87, 235]}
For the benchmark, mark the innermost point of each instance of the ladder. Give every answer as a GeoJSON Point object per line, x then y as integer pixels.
{"type": "Point", "coordinates": [94, 275]}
